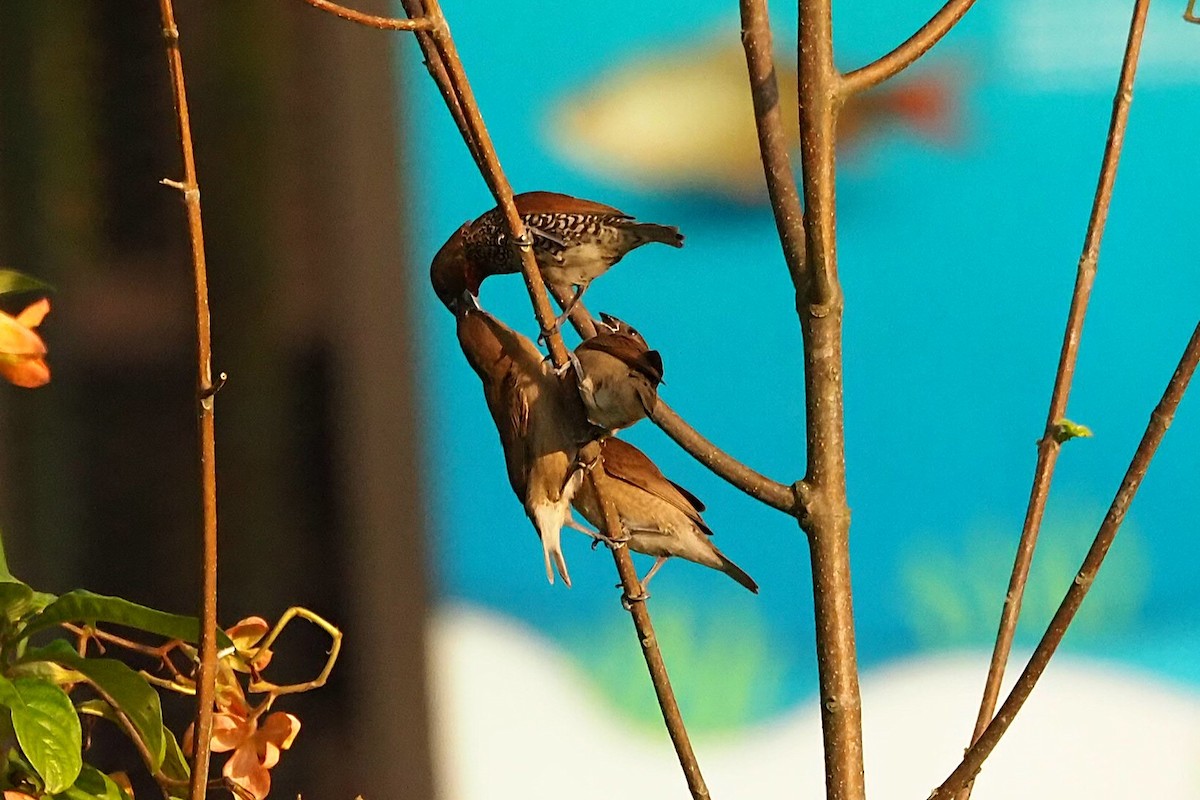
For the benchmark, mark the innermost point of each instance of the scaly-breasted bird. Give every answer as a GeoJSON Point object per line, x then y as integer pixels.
{"type": "Point", "coordinates": [660, 517]}
{"type": "Point", "coordinates": [617, 374]}
{"type": "Point", "coordinates": [539, 417]}
{"type": "Point", "coordinates": [574, 241]}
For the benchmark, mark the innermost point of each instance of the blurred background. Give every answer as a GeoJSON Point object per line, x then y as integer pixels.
{"type": "Point", "coordinates": [359, 471]}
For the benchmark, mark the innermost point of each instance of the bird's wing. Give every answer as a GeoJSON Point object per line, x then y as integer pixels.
{"type": "Point", "coordinates": [628, 351]}
{"type": "Point", "coordinates": [510, 410]}
{"type": "Point", "coordinates": [626, 463]}
{"type": "Point", "coordinates": [555, 203]}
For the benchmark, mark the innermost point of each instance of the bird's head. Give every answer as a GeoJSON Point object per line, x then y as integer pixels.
{"type": "Point", "coordinates": [612, 325]}
{"type": "Point", "coordinates": [452, 273]}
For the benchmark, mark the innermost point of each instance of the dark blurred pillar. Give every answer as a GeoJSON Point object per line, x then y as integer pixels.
{"type": "Point", "coordinates": [319, 429]}
{"type": "Point", "coordinates": [352, 132]}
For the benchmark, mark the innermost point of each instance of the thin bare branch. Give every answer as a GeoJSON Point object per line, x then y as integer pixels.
{"type": "Point", "coordinates": [913, 48]}
{"type": "Point", "coordinates": [493, 174]}
{"type": "Point", "coordinates": [1050, 444]}
{"type": "Point", "coordinates": [723, 465]}
{"type": "Point", "coordinates": [205, 401]}
{"type": "Point", "coordinates": [372, 21]}
{"type": "Point", "coordinates": [768, 119]}
{"type": "Point", "coordinates": [825, 515]}
{"type": "Point", "coordinates": [1160, 420]}
{"type": "Point", "coordinates": [735, 473]}
{"type": "Point", "coordinates": [1189, 13]}
{"type": "Point", "coordinates": [446, 68]}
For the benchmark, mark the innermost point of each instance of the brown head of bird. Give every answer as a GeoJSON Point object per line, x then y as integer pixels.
{"type": "Point", "coordinates": [452, 273]}
{"type": "Point", "coordinates": [617, 374]}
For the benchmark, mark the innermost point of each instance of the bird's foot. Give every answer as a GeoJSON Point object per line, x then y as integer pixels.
{"type": "Point", "coordinates": [554, 329]}
{"type": "Point", "coordinates": [627, 600]}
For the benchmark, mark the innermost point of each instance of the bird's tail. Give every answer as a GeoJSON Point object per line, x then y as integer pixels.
{"type": "Point", "coordinates": [737, 573]}
{"type": "Point", "coordinates": [548, 521]}
{"type": "Point", "coordinates": [653, 232]}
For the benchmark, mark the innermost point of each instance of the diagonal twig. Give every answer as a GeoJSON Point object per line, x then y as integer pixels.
{"type": "Point", "coordinates": [909, 51]}
{"type": "Point", "coordinates": [1050, 444]}
{"type": "Point", "coordinates": [205, 396]}
{"type": "Point", "coordinates": [777, 495]}
{"type": "Point", "coordinates": [446, 69]}
{"type": "Point", "coordinates": [418, 23]}
{"type": "Point", "coordinates": [1160, 420]}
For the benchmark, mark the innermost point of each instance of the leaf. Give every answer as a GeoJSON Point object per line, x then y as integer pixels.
{"type": "Point", "coordinates": [175, 765]}
{"type": "Point", "coordinates": [5, 575]}
{"type": "Point", "coordinates": [127, 691]}
{"type": "Point", "coordinates": [12, 282]}
{"type": "Point", "coordinates": [84, 606]}
{"type": "Point", "coordinates": [92, 784]}
{"type": "Point", "coordinates": [16, 599]}
{"type": "Point", "coordinates": [1065, 430]}
{"type": "Point", "coordinates": [47, 729]}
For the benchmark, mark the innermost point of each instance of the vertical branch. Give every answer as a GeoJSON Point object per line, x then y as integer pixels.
{"type": "Point", "coordinates": [772, 142]}
{"type": "Point", "coordinates": [1160, 420]}
{"type": "Point", "coordinates": [825, 514]}
{"type": "Point", "coordinates": [1050, 444]}
{"type": "Point", "coordinates": [205, 391]}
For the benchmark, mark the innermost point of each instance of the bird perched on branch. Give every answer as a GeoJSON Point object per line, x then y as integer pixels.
{"type": "Point", "coordinates": [573, 240]}
{"type": "Point", "coordinates": [617, 374]}
{"type": "Point", "coordinates": [539, 417]}
{"type": "Point", "coordinates": [659, 517]}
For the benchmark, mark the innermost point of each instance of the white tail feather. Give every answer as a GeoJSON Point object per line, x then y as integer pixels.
{"type": "Point", "coordinates": [548, 518]}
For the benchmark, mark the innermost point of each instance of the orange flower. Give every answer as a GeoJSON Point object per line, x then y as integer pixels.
{"type": "Point", "coordinates": [245, 635]}
{"type": "Point", "coordinates": [22, 352]}
{"type": "Point", "coordinates": [256, 746]}
{"type": "Point", "coordinates": [13, 794]}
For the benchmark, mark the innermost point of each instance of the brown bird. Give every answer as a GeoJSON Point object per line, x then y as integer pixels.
{"type": "Point", "coordinates": [617, 374]}
{"type": "Point", "coordinates": [574, 242]}
{"type": "Point", "coordinates": [660, 517]}
{"type": "Point", "coordinates": [539, 418]}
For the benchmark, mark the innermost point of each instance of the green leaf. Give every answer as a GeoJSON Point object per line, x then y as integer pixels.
{"type": "Point", "coordinates": [16, 600]}
{"type": "Point", "coordinates": [175, 765]}
{"type": "Point", "coordinates": [12, 281]}
{"type": "Point", "coordinates": [92, 784]}
{"type": "Point", "coordinates": [1065, 430]}
{"type": "Point", "coordinates": [84, 606]}
{"type": "Point", "coordinates": [126, 690]}
{"type": "Point", "coordinates": [47, 729]}
{"type": "Point", "coordinates": [5, 575]}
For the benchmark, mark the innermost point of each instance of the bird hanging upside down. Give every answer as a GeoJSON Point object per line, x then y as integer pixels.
{"type": "Point", "coordinates": [574, 241]}
{"type": "Point", "coordinates": [540, 420]}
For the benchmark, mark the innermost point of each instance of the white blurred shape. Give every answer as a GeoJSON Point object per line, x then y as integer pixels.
{"type": "Point", "coordinates": [512, 719]}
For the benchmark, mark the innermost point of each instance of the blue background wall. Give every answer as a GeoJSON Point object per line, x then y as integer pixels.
{"type": "Point", "coordinates": [957, 264]}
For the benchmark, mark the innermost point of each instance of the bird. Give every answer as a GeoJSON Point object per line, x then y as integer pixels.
{"type": "Point", "coordinates": [539, 417]}
{"type": "Point", "coordinates": [574, 241]}
{"type": "Point", "coordinates": [617, 374]}
{"type": "Point", "coordinates": [658, 517]}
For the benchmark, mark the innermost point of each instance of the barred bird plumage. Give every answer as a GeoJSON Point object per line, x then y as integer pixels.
{"type": "Point", "coordinates": [574, 241]}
